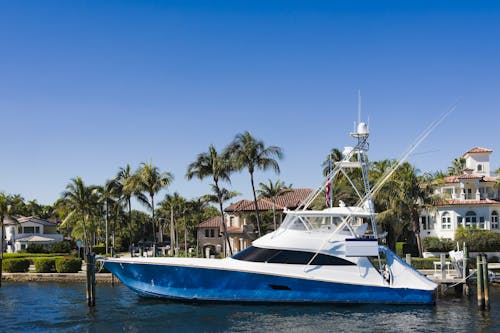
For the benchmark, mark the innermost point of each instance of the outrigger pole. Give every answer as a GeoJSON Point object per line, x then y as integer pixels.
{"type": "Point", "coordinates": [370, 192]}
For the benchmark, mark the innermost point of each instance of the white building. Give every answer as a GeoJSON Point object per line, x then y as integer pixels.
{"type": "Point", "coordinates": [30, 230]}
{"type": "Point", "coordinates": [471, 199]}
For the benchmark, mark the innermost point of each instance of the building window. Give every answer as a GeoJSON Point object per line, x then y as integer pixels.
{"type": "Point", "coordinates": [212, 233]}
{"type": "Point", "coordinates": [481, 222]}
{"type": "Point", "coordinates": [206, 233]}
{"type": "Point", "coordinates": [29, 230]}
{"type": "Point", "coordinates": [423, 222]}
{"type": "Point", "coordinates": [479, 167]}
{"type": "Point", "coordinates": [446, 221]}
{"type": "Point", "coordinates": [494, 220]}
{"type": "Point", "coordinates": [470, 219]}
{"type": "Point", "coordinates": [460, 220]}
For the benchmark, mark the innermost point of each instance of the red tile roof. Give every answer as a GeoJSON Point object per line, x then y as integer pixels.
{"type": "Point", "coordinates": [456, 179]}
{"type": "Point", "coordinates": [470, 176]}
{"type": "Point", "coordinates": [214, 222]}
{"type": "Point", "coordinates": [468, 202]}
{"type": "Point", "coordinates": [289, 200]}
{"type": "Point", "coordinates": [479, 150]}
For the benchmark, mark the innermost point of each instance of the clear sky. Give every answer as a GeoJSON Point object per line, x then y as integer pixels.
{"type": "Point", "coordinates": [89, 86]}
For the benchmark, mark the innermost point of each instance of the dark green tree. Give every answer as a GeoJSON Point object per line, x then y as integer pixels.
{"type": "Point", "coordinates": [250, 153]}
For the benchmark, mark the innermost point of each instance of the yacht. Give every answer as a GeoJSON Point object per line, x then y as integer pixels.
{"type": "Point", "coordinates": [333, 255]}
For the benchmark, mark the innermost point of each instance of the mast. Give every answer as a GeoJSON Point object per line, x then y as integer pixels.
{"type": "Point", "coordinates": [362, 133]}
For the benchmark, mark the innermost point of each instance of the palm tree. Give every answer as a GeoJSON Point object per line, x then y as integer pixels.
{"type": "Point", "coordinates": [126, 186]}
{"type": "Point", "coordinates": [197, 209]}
{"type": "Point", "coordinates": [173, 204]}
{"type": "Point", "coordinates": [334, 156]}
{"type": "Point", "coordinates": [79, 199]}
{"type": "Point", "coordinates": [457, 166]}
{"type": "Point", "coordinates": [412, 194]}
{"type": "Point", "coordinates": [212, 164]}
{"type": "Point", "coordinates": [253, 154]}
{"type": "Point", "coordinates": [152, 181]}
{"type": "Point", "coordinates": [271, 191]}
{"type": "Point", "coordinates": [107, 193]}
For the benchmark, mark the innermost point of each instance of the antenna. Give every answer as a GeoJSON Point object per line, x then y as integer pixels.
{"type": "Point", "coordinates": [359, 106]}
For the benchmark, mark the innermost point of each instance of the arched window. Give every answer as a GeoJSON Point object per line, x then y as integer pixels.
{"type": "Point", "coordinates": [446, 221]}
{"type": "Point", "coordinates": [470, 219]}
{"type": "Point", "coordinates": [494, 220]}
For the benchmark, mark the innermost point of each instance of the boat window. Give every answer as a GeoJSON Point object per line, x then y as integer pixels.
{"type": "Point", "coordinates": [256, 254]}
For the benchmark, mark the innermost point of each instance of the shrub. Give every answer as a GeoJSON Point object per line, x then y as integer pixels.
{"type": "Point", "coordinates": [478, 240]}
{"type": "Point", "coordinates": [399, 248]}
{"type": "Point", "coordinates": [68, 265]}
{"type": "Point", "coordinates": [435, 244]}
{"type": "Point", "coordinates": [423, 263]}
{"type": "Point", "coordinates": [61, 247]}
{"type": "Point", "coordinates": [99, 249]}
{"type": "Point", "coordinates": [45, 265]}
{"type": "Point", "coordinates": [16, 265]}
{"type": "Point", "coordinates": [37, 248]}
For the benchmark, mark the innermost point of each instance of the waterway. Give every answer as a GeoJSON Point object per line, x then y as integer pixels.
{"type": "Point", "coordinates": [53, 307]}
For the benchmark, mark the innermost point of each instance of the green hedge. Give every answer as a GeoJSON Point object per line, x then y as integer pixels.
{"type": "Point", "coordinates": [45, 265]}
{"type": "Point", "coordinates": [99, 249]}
{"type": "Point", "coordinates": [435, 244]}
{"type": "Point", "coordinates": [478, 240]}
{"type": "Point", "coordinates": [64, 246]}
{"type": "Point", "coordinates": [16, 265]}
{"type": "Point", "coordinates": [37, 248]}
{"type": "Point", "coordinates": [68, 265]}
{"type": "Point", "coordinates": [423, 263]}
{"type": "Point", "coordinates": [30, 255]}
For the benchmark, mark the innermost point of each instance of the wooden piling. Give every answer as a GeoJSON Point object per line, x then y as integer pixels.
{"type": "Point", "coordinates": [479, 275]}
{"type": "Point", "coordinates": [466, 261]}
{"type": "Point", "coordinates": [408, 258]}
{"type": "Point", "coordinates": [465, 273]}
{"type": "Point", "coordinates": [485, 283]}
{"type": "Point", "coordinates": [443, 266]}
{"type": "Point", "coordinates": [90, 290]}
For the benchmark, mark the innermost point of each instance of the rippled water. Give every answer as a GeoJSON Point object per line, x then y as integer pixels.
{"type": "Point", "coordinates": [51, 307]}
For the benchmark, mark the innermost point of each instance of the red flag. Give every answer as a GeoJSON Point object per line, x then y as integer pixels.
{"type": "Point", "coordinates": [327, 194]}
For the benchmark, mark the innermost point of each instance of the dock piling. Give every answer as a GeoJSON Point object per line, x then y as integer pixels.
{"type": "Point", "coordinates": [465, 274]}
{"type": "Point", "coordinates": [90, 291]}
{"type": "Point", "coordinates": [479, 275]}
{"type": "Point", "coordinates": [486, 293]}
{"type": "Point", "coordinates": [443, 266]}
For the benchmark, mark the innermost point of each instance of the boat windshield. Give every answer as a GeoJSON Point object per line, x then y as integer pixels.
{"type": "Point", "coordinates": [311, 223]}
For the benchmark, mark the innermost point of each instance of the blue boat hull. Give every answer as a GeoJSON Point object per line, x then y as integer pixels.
{"type": "Point", "coordinates": [191, 283]}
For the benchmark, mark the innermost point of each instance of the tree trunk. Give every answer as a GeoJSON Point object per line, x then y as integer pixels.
{"type": "Point", "coordinates": [185, 236]}
{"type": "Point", "coordinates": [416, 231]}
{"type": "Point", "coordinates": [107, 231]}
{"type": "Point", "coordinates": [130, 227]}
{"type": "Point", "coordinates": [256, 205]}
{"type": "Point", "coordinates": [153, 219]}
{"type": "Point", "coordinates": [226, 238]}
{"type": "Point", "coordinates": [172, 233]}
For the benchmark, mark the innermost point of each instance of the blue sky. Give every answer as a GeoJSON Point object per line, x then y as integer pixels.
{"type": "Point", "coordinates": [89, 86]}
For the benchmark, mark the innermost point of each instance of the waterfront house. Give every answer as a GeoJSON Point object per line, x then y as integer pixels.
{"type": "Point", "coordinates": [30, 230]}
{"type": "Point", "coordinates": [239, 217]}
{"type": "Point", "coordinates": [471, 199]}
